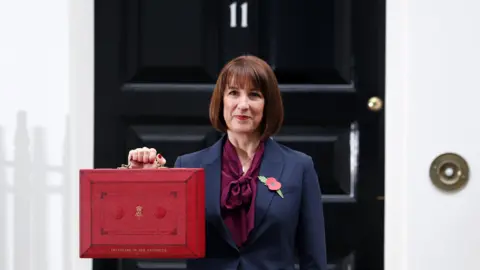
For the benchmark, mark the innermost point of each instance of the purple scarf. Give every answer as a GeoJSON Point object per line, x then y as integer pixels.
{"type": "Point", "coordinates": [238, 192]}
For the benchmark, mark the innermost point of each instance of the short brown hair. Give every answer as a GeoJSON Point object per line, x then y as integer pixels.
{"type": "Point", "coordinates": [248, 70]}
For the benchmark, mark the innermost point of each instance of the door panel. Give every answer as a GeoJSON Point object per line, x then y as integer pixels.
{"type": "Point", "coordinates": [189, 41]}
{"type": "Point", "coordinates": [156, 63]}
{"type": "Point", "coordinates": [307, 42]}
{"type": "Point", "coordinates": [168, 41]}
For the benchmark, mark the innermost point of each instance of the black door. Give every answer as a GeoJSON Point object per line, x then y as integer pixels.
{"type": "Point", "coordinates": [156, 62]}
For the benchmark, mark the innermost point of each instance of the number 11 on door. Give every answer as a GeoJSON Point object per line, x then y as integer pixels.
{"type": "Point", "coordinates": [233, 15]}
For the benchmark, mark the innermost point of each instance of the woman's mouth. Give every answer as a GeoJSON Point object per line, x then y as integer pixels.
{"type": "Point", "coordinates": [241, 117]}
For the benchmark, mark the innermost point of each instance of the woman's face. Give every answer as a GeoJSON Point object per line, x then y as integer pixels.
{"type": "Point", "coordinates": [242, 108]}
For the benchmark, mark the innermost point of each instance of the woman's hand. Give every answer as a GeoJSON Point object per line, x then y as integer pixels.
{"type": "Point", "coordinates": [145, 158]}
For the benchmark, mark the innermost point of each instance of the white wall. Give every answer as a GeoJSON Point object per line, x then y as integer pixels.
{"type": "Point", "coordinates": [433, 51]}
{"type": "Point", "coordinates": [46, 130]}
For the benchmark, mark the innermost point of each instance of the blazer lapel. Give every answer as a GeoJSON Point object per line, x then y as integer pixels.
{"type": "Point", "coordinates": [272, 166]}
{"type": "Point", "coordinates": [213, 171]}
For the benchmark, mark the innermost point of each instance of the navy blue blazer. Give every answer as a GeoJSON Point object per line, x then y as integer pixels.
{"type": "Point", "coordinates": [282, 226]}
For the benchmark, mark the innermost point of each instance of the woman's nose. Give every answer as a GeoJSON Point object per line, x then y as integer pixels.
{"type": "Point", "coordinates": [243, 102]}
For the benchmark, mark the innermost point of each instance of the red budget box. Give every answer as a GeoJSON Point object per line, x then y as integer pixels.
{"type": "Point", "coordinates": [149, 213]}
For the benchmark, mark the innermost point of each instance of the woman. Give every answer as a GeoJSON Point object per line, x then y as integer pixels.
{"type": "Point", "coordinates": [250, 224]}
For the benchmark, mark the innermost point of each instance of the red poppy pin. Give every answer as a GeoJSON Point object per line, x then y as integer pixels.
{"type": "Point", "coordinates": [272, 184]}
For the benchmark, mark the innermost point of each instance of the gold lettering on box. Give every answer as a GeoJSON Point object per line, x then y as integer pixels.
{"type": "Point", "coordinates": [139, 212]}
{"type": "Point", "coordinates": [162, 250]}
{"type": "Point", "coordinates": [121, 250]}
